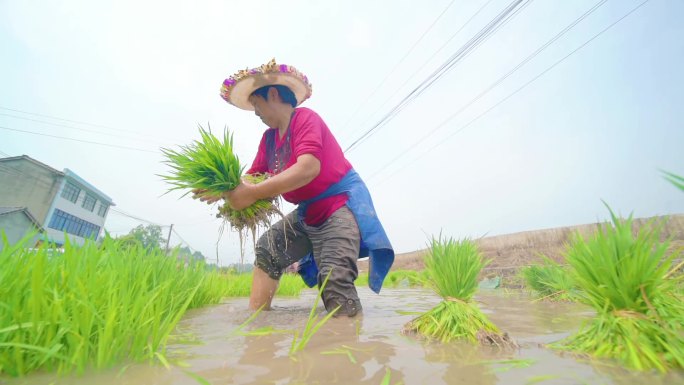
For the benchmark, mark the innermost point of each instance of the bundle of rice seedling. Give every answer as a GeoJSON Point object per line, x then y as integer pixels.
{"type": "Point", "coordinates": [212, 165]}
{"type": "Point", "coordinates": [550, 280]}
{"type": "Point", "coordinates": [453, 268]}
{"type": "Point", "coordinates": [624, 277]}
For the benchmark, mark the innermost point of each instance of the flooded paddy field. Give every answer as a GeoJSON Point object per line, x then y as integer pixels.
{"type": "Point", "coordinates": [206, 349]}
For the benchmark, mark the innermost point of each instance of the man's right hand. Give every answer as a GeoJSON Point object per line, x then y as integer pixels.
{"type": "Point", "coordinates": [204, 196]}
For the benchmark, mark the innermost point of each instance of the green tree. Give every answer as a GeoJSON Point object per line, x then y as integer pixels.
{"type": "Point", "coordinates": [186, 254]}
{"type": "Point", "coordinates": [150, 237]}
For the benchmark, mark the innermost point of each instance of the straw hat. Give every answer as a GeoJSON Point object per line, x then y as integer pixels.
{"type": "Point", "coordinates": [237, 88]}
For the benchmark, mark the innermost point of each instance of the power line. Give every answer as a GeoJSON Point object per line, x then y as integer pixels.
{"type": "Point", "coordinates": [79, 140]}
{"type": "Point", "coordinates": [474, 42]}
{"type": "Point", "coordinates": [493, 85]}
{"type": "Point", "coordinates": [199, 222]}
{"type": "Point", "coordinates": [121, 212]}
{"type": "Point", "coordinates": [424, 64]}
{"type": "Point", "coordinates": [68, 120]}
{"type": "Point", "coordinates": [415, 44]}
{"type": "Point", "coordinates": [75, 128]}
{"type": "Point", "coordinates": [183, 241]}
{"type": "Point", "coordinates": [430, 150]}
{"type": "Point", "coordinates": [463, 53]}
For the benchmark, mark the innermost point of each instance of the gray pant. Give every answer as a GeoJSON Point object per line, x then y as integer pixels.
{"type": "Point", "coordinates": [335, 246]}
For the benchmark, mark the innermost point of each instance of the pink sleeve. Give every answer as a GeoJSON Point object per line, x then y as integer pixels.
{"type": "Point", "coordinates": [307, 134]}
{"type": "Point", "coordinates": [260, 163]}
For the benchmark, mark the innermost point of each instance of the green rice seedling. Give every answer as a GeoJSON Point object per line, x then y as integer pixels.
{"type": "Point", "coordinates": [240, 285]}
{"type": "Point", "coordinates": [344, 350]}
{"type": "Point", "coordinates": [92, 306]}
{"type": "Point", "coordinates": [362, 279]}
{"type": "Point", "coordinates": [397, 278]}
{"type": "Point", "coordinates": [290, 285]}
{"type": "Point", "coordinates": [500, 366]}
{"type": "Point", "coordinates": [624, 277]}
{"type": "Point", "coordinates": [541, 378]}
{"type": "Point", "coordinates": [675, 179]}
{"type": "Point", "coordinates": [388, 377]}
{"type": "Point", "coordinates": [210, 164]}
{"type": "Point", "coordinates": [300, 340]}
{"type": "Point", "coordinates": [257, 332]}
{"type": "Point", "coordinates": [453, 268]}
{"type": "Point", "coordinates": [406, 278]}
{"type": "Point", "coordinates": [550, 280]}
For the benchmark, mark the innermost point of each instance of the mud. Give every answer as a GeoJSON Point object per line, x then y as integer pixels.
{"type": "Point", "coordinates": [363, 350]}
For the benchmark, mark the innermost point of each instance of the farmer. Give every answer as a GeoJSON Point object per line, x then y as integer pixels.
{"type": "Point", "coordinates": [335, 222]}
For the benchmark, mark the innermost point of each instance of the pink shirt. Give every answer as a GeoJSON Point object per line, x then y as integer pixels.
{"type": "Point", "coordinates": [307, 134]}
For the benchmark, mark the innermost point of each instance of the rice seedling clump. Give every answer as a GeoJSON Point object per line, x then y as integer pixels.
{"type": "Point", "coordinates": [211, 165]}
{"type": "Point", "coordinates": [550, 281]}
{"type": "Point", "coordinates": [94, 305]}
{"type": "Point", "coordinates": [453, 268]}
{"type": "Point", "coordinates": [625, 278]}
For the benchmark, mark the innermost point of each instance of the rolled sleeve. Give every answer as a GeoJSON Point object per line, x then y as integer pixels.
{"type": "Point", "coordinates": [307, 134]}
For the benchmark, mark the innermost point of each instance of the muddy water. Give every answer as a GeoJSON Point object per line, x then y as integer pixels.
{"type": "Point", "coordinates": [362, 350]}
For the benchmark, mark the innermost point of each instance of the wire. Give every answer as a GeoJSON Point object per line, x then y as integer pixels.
{"type": "Point", "coordinates": [493, 85]}
{"type": "Point", "coordinates": [121, 212]}
{"type": "Point", "coordinates": [465, 51]}
{"type": "Point", "coordinates": [415, 44]}
{"type": "Point", "coordinates": [183, 240]}
{"type": "Point", "coordinates": [79, 140]}
{"type": "Point", "coordinates": [76, 128]}
{"type": "Point", "coordinates": [473, 43]}
{"type": "Point", "coordinates": [68, 120]}
{"type": "Point", "coordinates": [430, 150]}
{"type": "Point", "coordinates": [396, 91]}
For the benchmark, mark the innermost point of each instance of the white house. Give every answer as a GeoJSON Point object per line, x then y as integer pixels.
{"type": "Point", "coordinates": [60, 201]}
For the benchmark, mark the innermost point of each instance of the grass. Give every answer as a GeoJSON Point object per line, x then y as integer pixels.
{"type": "Point", "coordinates": [550, 281]}
{"type": "Point", "coordinates": [624, 277]}
{"type": "Point", "coordinates": [453, 268]}
{"type": "Point", "coordinates": [93, 305]}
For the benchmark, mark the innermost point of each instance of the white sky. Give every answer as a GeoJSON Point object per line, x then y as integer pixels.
{"type": "Point", "coordinates": [597, 126]}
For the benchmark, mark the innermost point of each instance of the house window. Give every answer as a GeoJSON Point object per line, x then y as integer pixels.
{"type": "Point", "coordinates": [102, 211]}
{"type": "Point", "coordinates": [89, 202]}
{"type": "Point", "coordinates": [71, 192]}
{"type": "Point", "coordinates": [62, 221]}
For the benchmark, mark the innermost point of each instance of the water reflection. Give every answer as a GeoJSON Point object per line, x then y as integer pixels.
{"type": "Point", "coordinates": [335, 355]}
{"type": "Point", "coordinates": [470, 367]}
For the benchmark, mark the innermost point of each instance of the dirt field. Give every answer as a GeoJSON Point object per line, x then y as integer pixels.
{"type": "Point", "coordinates": [511, 251]}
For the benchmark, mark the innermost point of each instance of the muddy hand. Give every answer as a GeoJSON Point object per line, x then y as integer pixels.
{"type": "Point", "coordinates": [203, 196]}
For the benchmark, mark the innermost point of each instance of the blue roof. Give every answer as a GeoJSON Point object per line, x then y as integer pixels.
{"type": "Point", "coordinates": [72, 175]}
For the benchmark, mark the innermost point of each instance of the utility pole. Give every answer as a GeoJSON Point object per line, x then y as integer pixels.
{"type": "Point", "coordinates": [168, 239]}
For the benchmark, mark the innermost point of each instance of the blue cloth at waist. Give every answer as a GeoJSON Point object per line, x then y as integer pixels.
{"type": "Point", "coordinates": [374, 241]}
